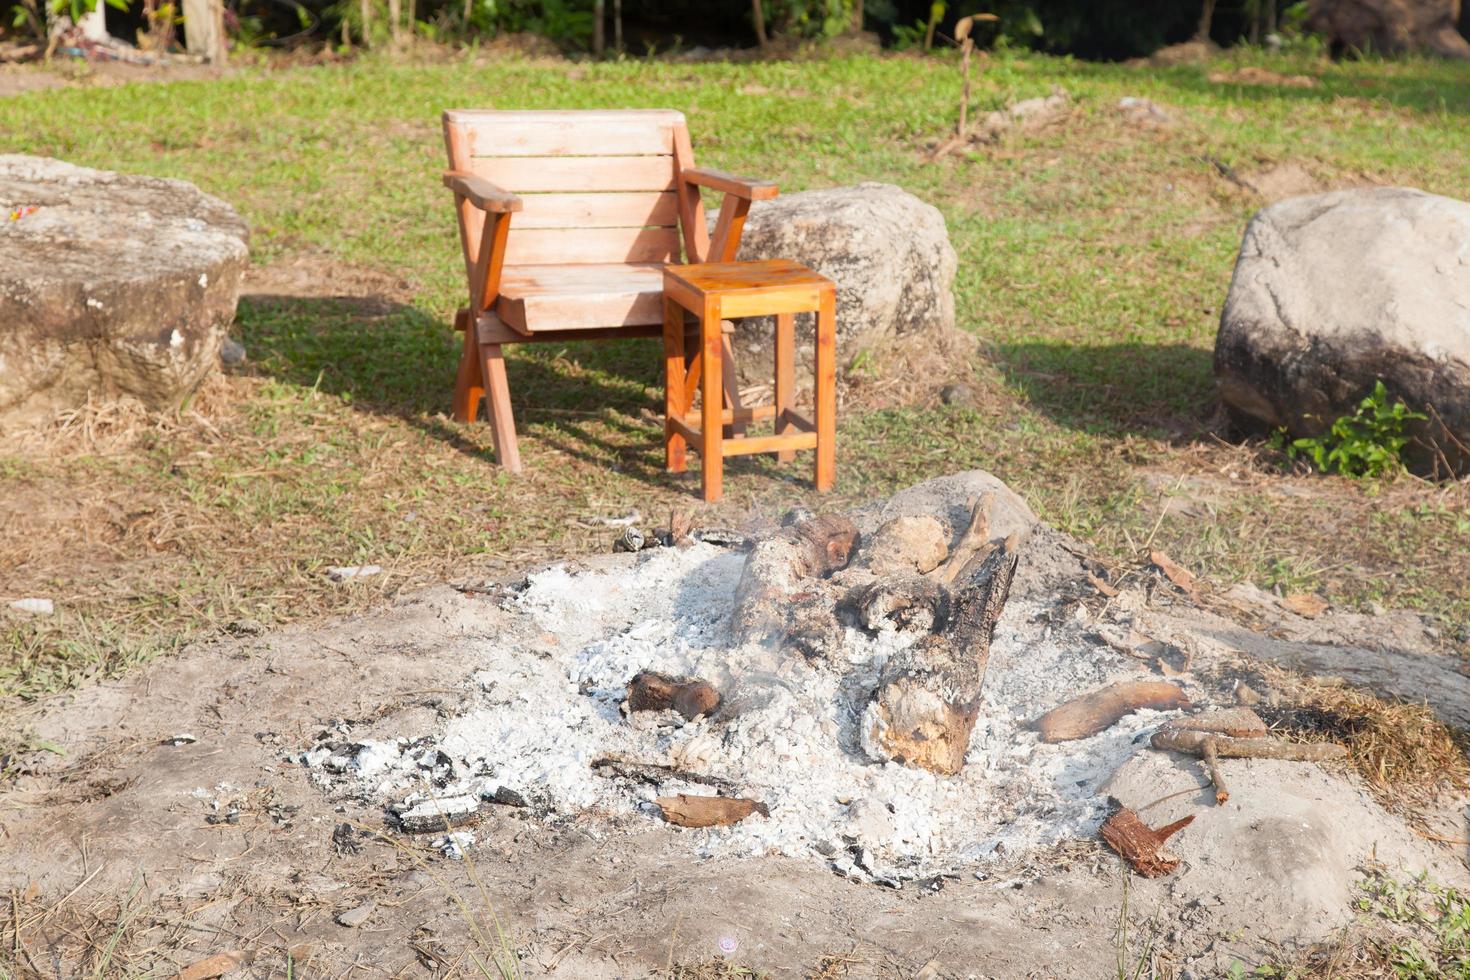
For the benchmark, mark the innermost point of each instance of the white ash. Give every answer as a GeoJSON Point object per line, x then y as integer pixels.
{"type": "Point", "coordinates": [542, 716]}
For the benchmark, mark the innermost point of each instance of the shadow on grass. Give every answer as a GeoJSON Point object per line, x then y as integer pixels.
{"type": "Point", "coordinates": [1149, 389]}
{"type": "Point", "coordinates": [1426, 85]}
{"type": "Point", "coordinates": [388, 358]}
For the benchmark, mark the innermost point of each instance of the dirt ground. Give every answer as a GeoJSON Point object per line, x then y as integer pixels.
{"type": "Point", "coordinates": [121, 854]}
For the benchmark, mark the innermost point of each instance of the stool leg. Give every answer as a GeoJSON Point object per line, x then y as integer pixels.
{"type": "Point", "coordinates": [785, 379]}
{"type": "Point", "coordinates": [734, 430]}
{"type": "Point", "coordinates": [676, 404]}
{"type": "Point", "coordinates": [826, 396]}
{"type": "Point", "coordinates": [712, 453]}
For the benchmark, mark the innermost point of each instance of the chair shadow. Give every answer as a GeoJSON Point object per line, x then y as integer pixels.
{"type": "Point", "coordinates": [393, 359]}
{"type": "Point", "coordinates": [1128, 388]}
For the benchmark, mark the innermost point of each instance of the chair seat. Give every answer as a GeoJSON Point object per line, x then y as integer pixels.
{"type": "Point", "coordinates": [581, 297]}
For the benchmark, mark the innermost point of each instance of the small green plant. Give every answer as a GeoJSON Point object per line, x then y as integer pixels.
{"type": "Point", "coordinates": [1369, 442]}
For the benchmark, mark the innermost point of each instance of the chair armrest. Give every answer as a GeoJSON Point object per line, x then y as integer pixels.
{"type": "Point", "coordinates": [751, 190]}
{"type": "Point", "coordinates": [481, 193]}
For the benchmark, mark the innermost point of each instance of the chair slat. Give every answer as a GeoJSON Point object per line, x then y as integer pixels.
{"type": "Point", "coordinates": [572, 133]}
{"type": "Point", "coordinates": [529, 175]}
{"type": "Point", "coordinates": [541, 246]}
{"type": "Point", "coordinates": [634, 210]}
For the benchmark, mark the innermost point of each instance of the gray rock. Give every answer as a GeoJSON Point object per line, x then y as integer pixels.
{"type": "Point", "coordinates": [1335, 291]}
{"type": "Point", "coordinates": [352, 918]}
{"type": "Point", "coordinates": [1390, 26]}
{"type": "Point", "coordinates": [958, 395]}
{"type": "Point", "coordinates": [232, 353]}
{"type": "Point", "coordinates": [117, 284]}
{"type": "Point", "coordinates": [888, 252]}
{"type": "Point", "coordinates": [630, 540]}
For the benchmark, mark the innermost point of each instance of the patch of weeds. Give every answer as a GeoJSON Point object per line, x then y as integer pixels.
{"type": "Point", "coordinates": [1368, 443]}
{"type": "Point", "coordinates": [1431, 922]}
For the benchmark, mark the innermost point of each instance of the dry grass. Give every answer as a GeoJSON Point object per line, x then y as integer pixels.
{"type": "Point", "coordinates": [1403, 751]}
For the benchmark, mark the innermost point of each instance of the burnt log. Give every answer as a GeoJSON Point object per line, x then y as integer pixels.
{"type": "Point", "coordinates": [780, 570]}
{"type": "Point", "coordinates": [928, 696]}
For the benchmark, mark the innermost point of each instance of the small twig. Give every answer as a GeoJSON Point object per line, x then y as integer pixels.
{"type": "Point", "coordinates": [1212, 765]}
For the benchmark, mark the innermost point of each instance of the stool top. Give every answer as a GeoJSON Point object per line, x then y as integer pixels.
{"type": "Point", "coordinates": [747, 278]}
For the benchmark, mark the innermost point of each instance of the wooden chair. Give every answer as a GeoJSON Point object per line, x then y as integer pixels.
{"type": "Point", "coordinates": [600, 203]}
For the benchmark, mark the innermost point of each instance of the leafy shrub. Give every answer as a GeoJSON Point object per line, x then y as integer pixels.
{"type": "Point", "coordinates": [1369, 442]}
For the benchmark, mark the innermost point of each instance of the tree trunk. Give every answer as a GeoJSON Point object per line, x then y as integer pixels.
{"type": "Point", "coordinates": [857, 16]}
{"type": "Point", "coordinates": [1206, 18]}
{"type": "Point", "coordinates": [618, 26]}
{"type": "Point", "coordinates": [395, 21]}
{"type": "Point", "coordinates": [599, 15]}
{"type": "Point", "coordinates": [365, 8]}
{"type": "Point", "coordinates": [759, 19]}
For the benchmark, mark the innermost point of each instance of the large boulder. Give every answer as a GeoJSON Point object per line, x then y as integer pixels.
{"type": "Point", "coordinates": [1333, 292]}
{"type": "Point", "coordinates": [888, 252]}
{"type": "Point", "coordinates": [1391, 26]}
{"type": "Point", "coordinates": [115, 284]}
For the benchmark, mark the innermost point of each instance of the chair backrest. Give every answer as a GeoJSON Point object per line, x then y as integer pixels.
{"type": "Point", "coordinates": [597, 186]}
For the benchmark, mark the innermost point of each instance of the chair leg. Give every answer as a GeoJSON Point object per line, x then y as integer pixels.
{"type": "Point", "coordinates": [468, 383]}
{"type": "Point", "coordinates": [826, 394]}
{"type": "Point", "coordinates": [497, 405]}
{"type": "Point", "coordinates": [785, 379]}
{"type": "Point", "coordinates": [676, 403]}
{"type": "Point", "coordinates": [711, 406]}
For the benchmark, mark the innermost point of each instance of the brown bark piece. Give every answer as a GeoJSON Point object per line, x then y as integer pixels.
{"type": "Point", "coordinates": [1212, 765]}
{"type": "Point", "coordinates": [928, 696]}
{"type": "Point", "coordinates": [1174, 571]}
{"type": "Point", "coordinates": [708, 811]}
{"type": "Point", "coordinates": [1101, 709]}
{"type": "Point", "coordinates": [650, 690]}
{"type": "Point", "coordinates": [1141, 845]}
{"type": "Point", "coordinates": [1193, 743]}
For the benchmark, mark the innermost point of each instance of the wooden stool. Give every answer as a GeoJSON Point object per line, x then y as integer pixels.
{"type": "Point", "coordinates": [713, 291]}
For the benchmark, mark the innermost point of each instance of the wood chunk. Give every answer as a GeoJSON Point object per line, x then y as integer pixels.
{"type": "Point", "coordinates": [910, 602]}
{"type": "Point", "coordinates": [1101, 709]}
{"type": "Point", "coordinates": [1193, 743]}
{"type": "Point", "coordinates": [928, 696]}
{"type": "Point", "coordinates": [973, 542]}
{"type": "Point", "coordinates": [655, 773]}
{"type": "Point", "coordinates": [782, 566]}
{"type": "Point", "coordinates": [1235, 722]}
{"type": "Point", "coordinates": [708, 811]}
{"type": "Point", "coordinates": [650, 690]}
{"type": "Point", "coordinates": [1141, 845]}
{"type": "Point", "coordinates": [1102, 586]}
{"type": "Point", "coordinates": [1175, 572]}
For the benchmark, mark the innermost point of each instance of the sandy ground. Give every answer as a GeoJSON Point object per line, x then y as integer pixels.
{"type": "Point", "coordinates": [116, 832]}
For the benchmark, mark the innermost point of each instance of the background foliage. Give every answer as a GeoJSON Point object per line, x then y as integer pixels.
{"type": "Point", "coordinates": [1095, 29]}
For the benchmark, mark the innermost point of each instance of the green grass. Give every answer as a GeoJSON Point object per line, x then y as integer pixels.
{"type": "Point", "coordinates": [1094, 257]}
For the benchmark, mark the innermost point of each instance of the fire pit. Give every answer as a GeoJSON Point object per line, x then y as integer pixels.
{"type": "Point", "coordinates": [854, 704]}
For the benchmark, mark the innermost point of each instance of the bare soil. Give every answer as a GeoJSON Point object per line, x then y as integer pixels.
{"type": "Point", "coordinates": [120, 853]}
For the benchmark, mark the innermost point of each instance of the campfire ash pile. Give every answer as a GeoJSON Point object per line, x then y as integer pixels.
{"type": "Point", "coordinates": [877, 699]}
